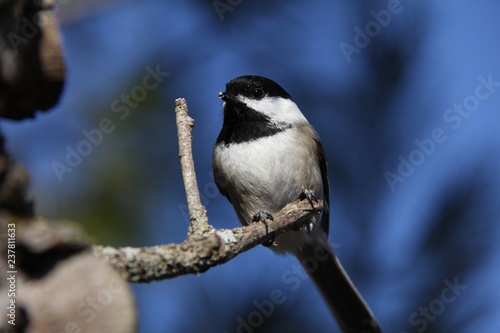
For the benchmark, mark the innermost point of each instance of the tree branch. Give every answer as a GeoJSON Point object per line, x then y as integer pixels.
{"type": "Point", "coordinates": [197, 213]}
{"type": "Point", "coordinates": [199, 253]}
{"type": "Point", "coordinates": [205, 246]}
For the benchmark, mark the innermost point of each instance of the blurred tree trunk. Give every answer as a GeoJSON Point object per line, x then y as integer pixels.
{"type": "Point", "coordinates": [51, 282]}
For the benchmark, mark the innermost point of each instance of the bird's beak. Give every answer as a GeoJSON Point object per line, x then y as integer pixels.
{"type": "Point", "coordinates": [227, 97]}
{"type": "Point", "coordinates": [223, 95]}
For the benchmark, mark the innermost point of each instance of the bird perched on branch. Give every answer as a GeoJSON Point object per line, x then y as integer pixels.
{"type": "Point", "coordinates": [268, 155]}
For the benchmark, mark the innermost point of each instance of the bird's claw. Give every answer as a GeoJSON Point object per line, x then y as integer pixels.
{"type": "Point", "coordinates": [262, 217]}
{"type": "Point", "coordinates": [309, 196]}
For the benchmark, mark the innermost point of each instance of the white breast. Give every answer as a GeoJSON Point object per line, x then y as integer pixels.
{"type": "Point", "coordinates": [268, 173]}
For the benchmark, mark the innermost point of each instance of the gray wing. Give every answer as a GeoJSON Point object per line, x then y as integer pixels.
{"type": "Point", "coordinates": [325, 220]}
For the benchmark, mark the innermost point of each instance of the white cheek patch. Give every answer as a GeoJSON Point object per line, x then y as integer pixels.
{"type": "Point", "coordinates": [277, 108]}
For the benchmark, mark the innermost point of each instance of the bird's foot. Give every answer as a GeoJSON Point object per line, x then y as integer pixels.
{"type": "Point", "coordinates": [309, 196]}
{"type": "Point", "coordinates": [262, 217]}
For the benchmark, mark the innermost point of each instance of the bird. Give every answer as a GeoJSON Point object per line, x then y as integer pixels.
{"type": "Point", "coordinates": [267, 155]}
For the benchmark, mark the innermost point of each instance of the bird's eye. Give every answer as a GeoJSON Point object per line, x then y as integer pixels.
{"type": "Point", "coordinates": [258, 93]}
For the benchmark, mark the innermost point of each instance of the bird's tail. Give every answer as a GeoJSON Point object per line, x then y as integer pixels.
{"type": "Point", "coordinates": [345, 302]}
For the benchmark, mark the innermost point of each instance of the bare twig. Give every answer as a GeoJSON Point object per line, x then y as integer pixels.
{"type": "Point", "coordinates": [197, 254]}
{"type": "Point", "coordinates": [197, 212]}
{"type": "Point", "coordinates": [205, 246]}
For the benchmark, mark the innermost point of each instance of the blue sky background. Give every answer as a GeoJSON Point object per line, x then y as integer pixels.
{"type": "Point", "coordinates": [403, 245]}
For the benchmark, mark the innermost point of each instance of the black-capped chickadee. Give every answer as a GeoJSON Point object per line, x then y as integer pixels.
{"type": "Point", "coordinates": [268, 155]}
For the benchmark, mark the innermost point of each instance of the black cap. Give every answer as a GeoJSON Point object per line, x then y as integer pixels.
{"type": "Point", "coordinates": [255, 87]}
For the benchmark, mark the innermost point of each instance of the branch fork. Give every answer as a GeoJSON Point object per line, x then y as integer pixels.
{"type": "Point", "coordinates": [205, 246]}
